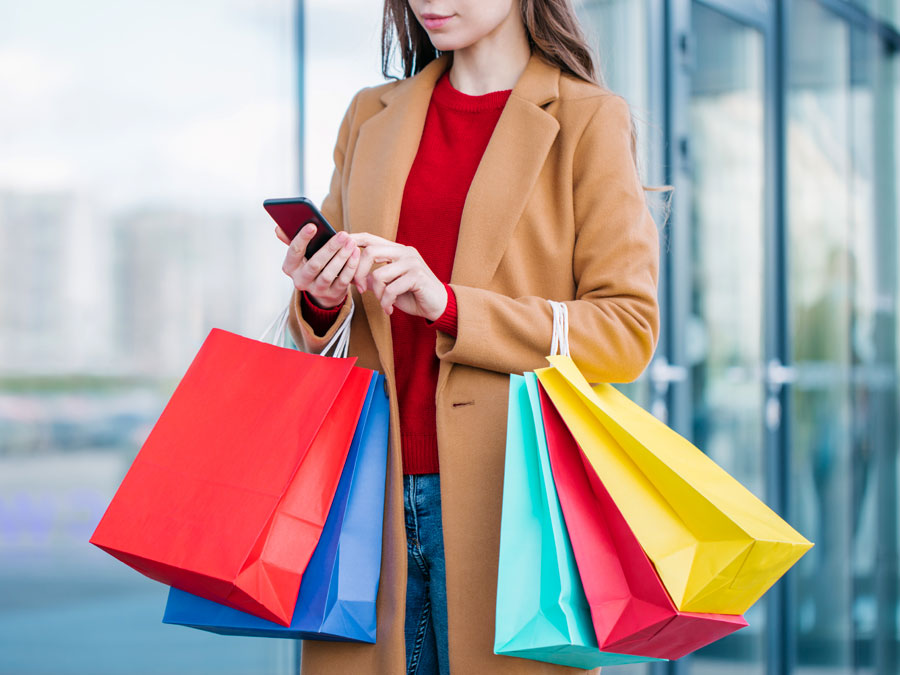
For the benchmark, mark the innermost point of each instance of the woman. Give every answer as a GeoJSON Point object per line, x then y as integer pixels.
{"type": "Point", "coordinates": [450, 270]}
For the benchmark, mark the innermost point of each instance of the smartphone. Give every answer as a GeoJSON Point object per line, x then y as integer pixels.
{"type": "Point", "coordinates": [293, 213]}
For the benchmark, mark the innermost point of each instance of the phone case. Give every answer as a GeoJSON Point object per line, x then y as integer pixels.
{"type": "Point", "coordinates": [293, 213]}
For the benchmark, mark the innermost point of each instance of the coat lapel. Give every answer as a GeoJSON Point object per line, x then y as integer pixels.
{"type": "Point", "coordinates": [386, 148]}
{"type": "Point", "coordinates": [506, 175]}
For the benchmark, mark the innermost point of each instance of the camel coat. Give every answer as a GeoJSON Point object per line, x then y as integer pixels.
{"type": "Point", "coordinates": [555, 211]}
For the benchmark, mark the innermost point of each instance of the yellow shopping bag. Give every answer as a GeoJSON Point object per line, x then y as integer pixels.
{"type": "Point", "coordinates": [716, 547]}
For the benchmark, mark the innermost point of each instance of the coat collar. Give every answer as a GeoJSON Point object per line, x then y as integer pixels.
{"type": "Point", "coordinates": [386, 148]}
{"type": "Point", "coordinates": [538, 83]}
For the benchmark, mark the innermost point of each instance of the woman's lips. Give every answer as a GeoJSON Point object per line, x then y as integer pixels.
{"type": "Point", "coordinates": [433, 21]}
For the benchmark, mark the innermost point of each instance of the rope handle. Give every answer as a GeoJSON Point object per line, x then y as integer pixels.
{"type": "Point", "coordinates": [560, 341]}
{"type": "Point", "coordinates": [279, 323]}
{"type": "Point", "coordinates": [339, 344]}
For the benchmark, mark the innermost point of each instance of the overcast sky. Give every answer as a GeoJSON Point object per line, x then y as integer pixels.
{"type": "Point", "coordinates": [168, 102]}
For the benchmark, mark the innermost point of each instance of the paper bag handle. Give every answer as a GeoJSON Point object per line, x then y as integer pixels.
{"type": "Point", "coordinates": [279, 324]}
{"type": "Point", "coordinates": [339, 344]}
{"type": "Point", "coordinates": [560, 341]}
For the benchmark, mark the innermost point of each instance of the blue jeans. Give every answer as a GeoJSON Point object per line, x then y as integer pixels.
{"type": "Point", "coordinates": [426, 588]}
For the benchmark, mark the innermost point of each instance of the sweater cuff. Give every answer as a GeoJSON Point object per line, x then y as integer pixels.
{"type": "Point", "coordinates": [446, 322]}
{"type": "Point", "coordinates": [319, 319]}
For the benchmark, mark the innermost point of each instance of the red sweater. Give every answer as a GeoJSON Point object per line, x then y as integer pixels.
{"type": "Point", "coordinates": [456, 133]}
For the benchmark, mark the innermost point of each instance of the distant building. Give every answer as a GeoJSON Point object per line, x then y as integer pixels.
{"type": "Point", "coordinates": [54, 284]}
{"type": "Point", "coordinates": [176, 275]}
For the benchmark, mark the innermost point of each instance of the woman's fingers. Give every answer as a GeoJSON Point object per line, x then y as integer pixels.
{"type": "Point", "coordinates": [373, 254]}
{"type": "Point", "coordinates": [333, 267]}
{"type": "Point", "coordinates": [389, 274]}
{"type": "Point", "coordinates": [345, 278]}
{"type": "Point", "coordinates": [393, 290]}
{"type": "Point", "coordinates": [297, 249]}
{"type": "Point", "coordinates": [364, 239]}
{"type": "Point", "coordinates": [282, 237]}
{"type": "Point", "coordinates": [329, 272]}
{"type": "Point", "coordinates": [306, 274]}
{"type": "Point", "coordinates": [404, 281]}
{"type": "Point", "coordinates": [378, 279]}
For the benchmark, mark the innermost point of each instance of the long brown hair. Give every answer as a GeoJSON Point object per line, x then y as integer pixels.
{"type": "Point", "coordinates": [552, 27]}
{"type": "Point", "coordinates": [553, 30]}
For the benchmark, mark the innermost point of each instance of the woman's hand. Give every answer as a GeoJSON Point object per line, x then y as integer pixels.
{"type": "Point", "coordinates": [328, 274]}
{"type": "Point", "coordinates": [404, 281]}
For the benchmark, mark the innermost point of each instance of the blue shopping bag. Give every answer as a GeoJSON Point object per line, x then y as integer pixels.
{"type": "Point", "coordinates": [542, 611]}
{"type": "Point", "coordinates": [337, 594]}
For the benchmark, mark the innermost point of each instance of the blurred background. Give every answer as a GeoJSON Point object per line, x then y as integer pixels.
{"type": "Point", "coordinates": [138, 141]}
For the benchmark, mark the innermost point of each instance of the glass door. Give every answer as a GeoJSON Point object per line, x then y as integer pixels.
{"type": "Point", "coordinates": [724, 341]}
{"type": "Point", "coordinates": [842, 231]}
{"type": "Point", "coordinates": [783, 138]}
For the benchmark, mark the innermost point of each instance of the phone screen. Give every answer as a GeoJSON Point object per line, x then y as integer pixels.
{"type": "Point", "coordinates": [293, 213]}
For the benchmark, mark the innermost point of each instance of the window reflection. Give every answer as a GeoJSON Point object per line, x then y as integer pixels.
{"type": "Point", "coordinates": [822, 267]}
{"type": "Point", "coordinates": [137, 142]}
{"type": "Point", "coordinates": [726, 114]}
{"type": "Point", "coordinates": [886, 10]}
{"type": "Point", "coordinates": [843, 290]}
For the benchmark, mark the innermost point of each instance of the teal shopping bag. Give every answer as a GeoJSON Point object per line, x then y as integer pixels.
{"type": "Point", "coordinates": [542, 612]}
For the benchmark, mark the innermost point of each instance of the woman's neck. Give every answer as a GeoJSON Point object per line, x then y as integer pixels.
{"type": "Point", "coordinates": [493, 63]}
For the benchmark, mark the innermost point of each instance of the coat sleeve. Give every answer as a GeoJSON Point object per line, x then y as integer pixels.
{"type": "Point", "coordinates": [332, 208]}
{"type": "Point", "coordinates": [614, 317]}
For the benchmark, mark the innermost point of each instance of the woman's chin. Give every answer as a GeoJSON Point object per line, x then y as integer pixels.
{"type": "Point", "coordinates": [447, 43]}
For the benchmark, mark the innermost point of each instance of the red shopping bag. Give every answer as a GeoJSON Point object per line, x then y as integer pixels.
{"type": "Point", "coordinates": [228, 496]}
{"type": "Point", "coordinates": [631, 610]}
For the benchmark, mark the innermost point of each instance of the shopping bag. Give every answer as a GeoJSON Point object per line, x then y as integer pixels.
{"type": "Point", "coordinates": [631, 611]}
{"type": "Point", "coordinates": [542, 613]}
{"type": "Point", "coordinates": [337, 594]}
{"type": "Point", "coordinates": [716, 547]}
{"type": "Point", "coordinates": [228, 496]}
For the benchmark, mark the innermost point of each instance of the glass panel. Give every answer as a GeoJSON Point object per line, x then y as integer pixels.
{"type": "Point", "coordinates": [873, 330]}
{"type": "Point", "coordinates": [342, 55]}
{"type": "Point", "coordinates": [617, 30]}
{"type": "Point", "coordinates": [822, 170]}
{"type": "Point", "coordinates": [889, 533]}
{"type": "Point", "coordinates": [886, 10]}
{"type": "Point", "coordinates": [870, 379]}
{"type": "Point", "coordinates": [725, 327]}
{"type": "Point", "coordinates": [137, 142]}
